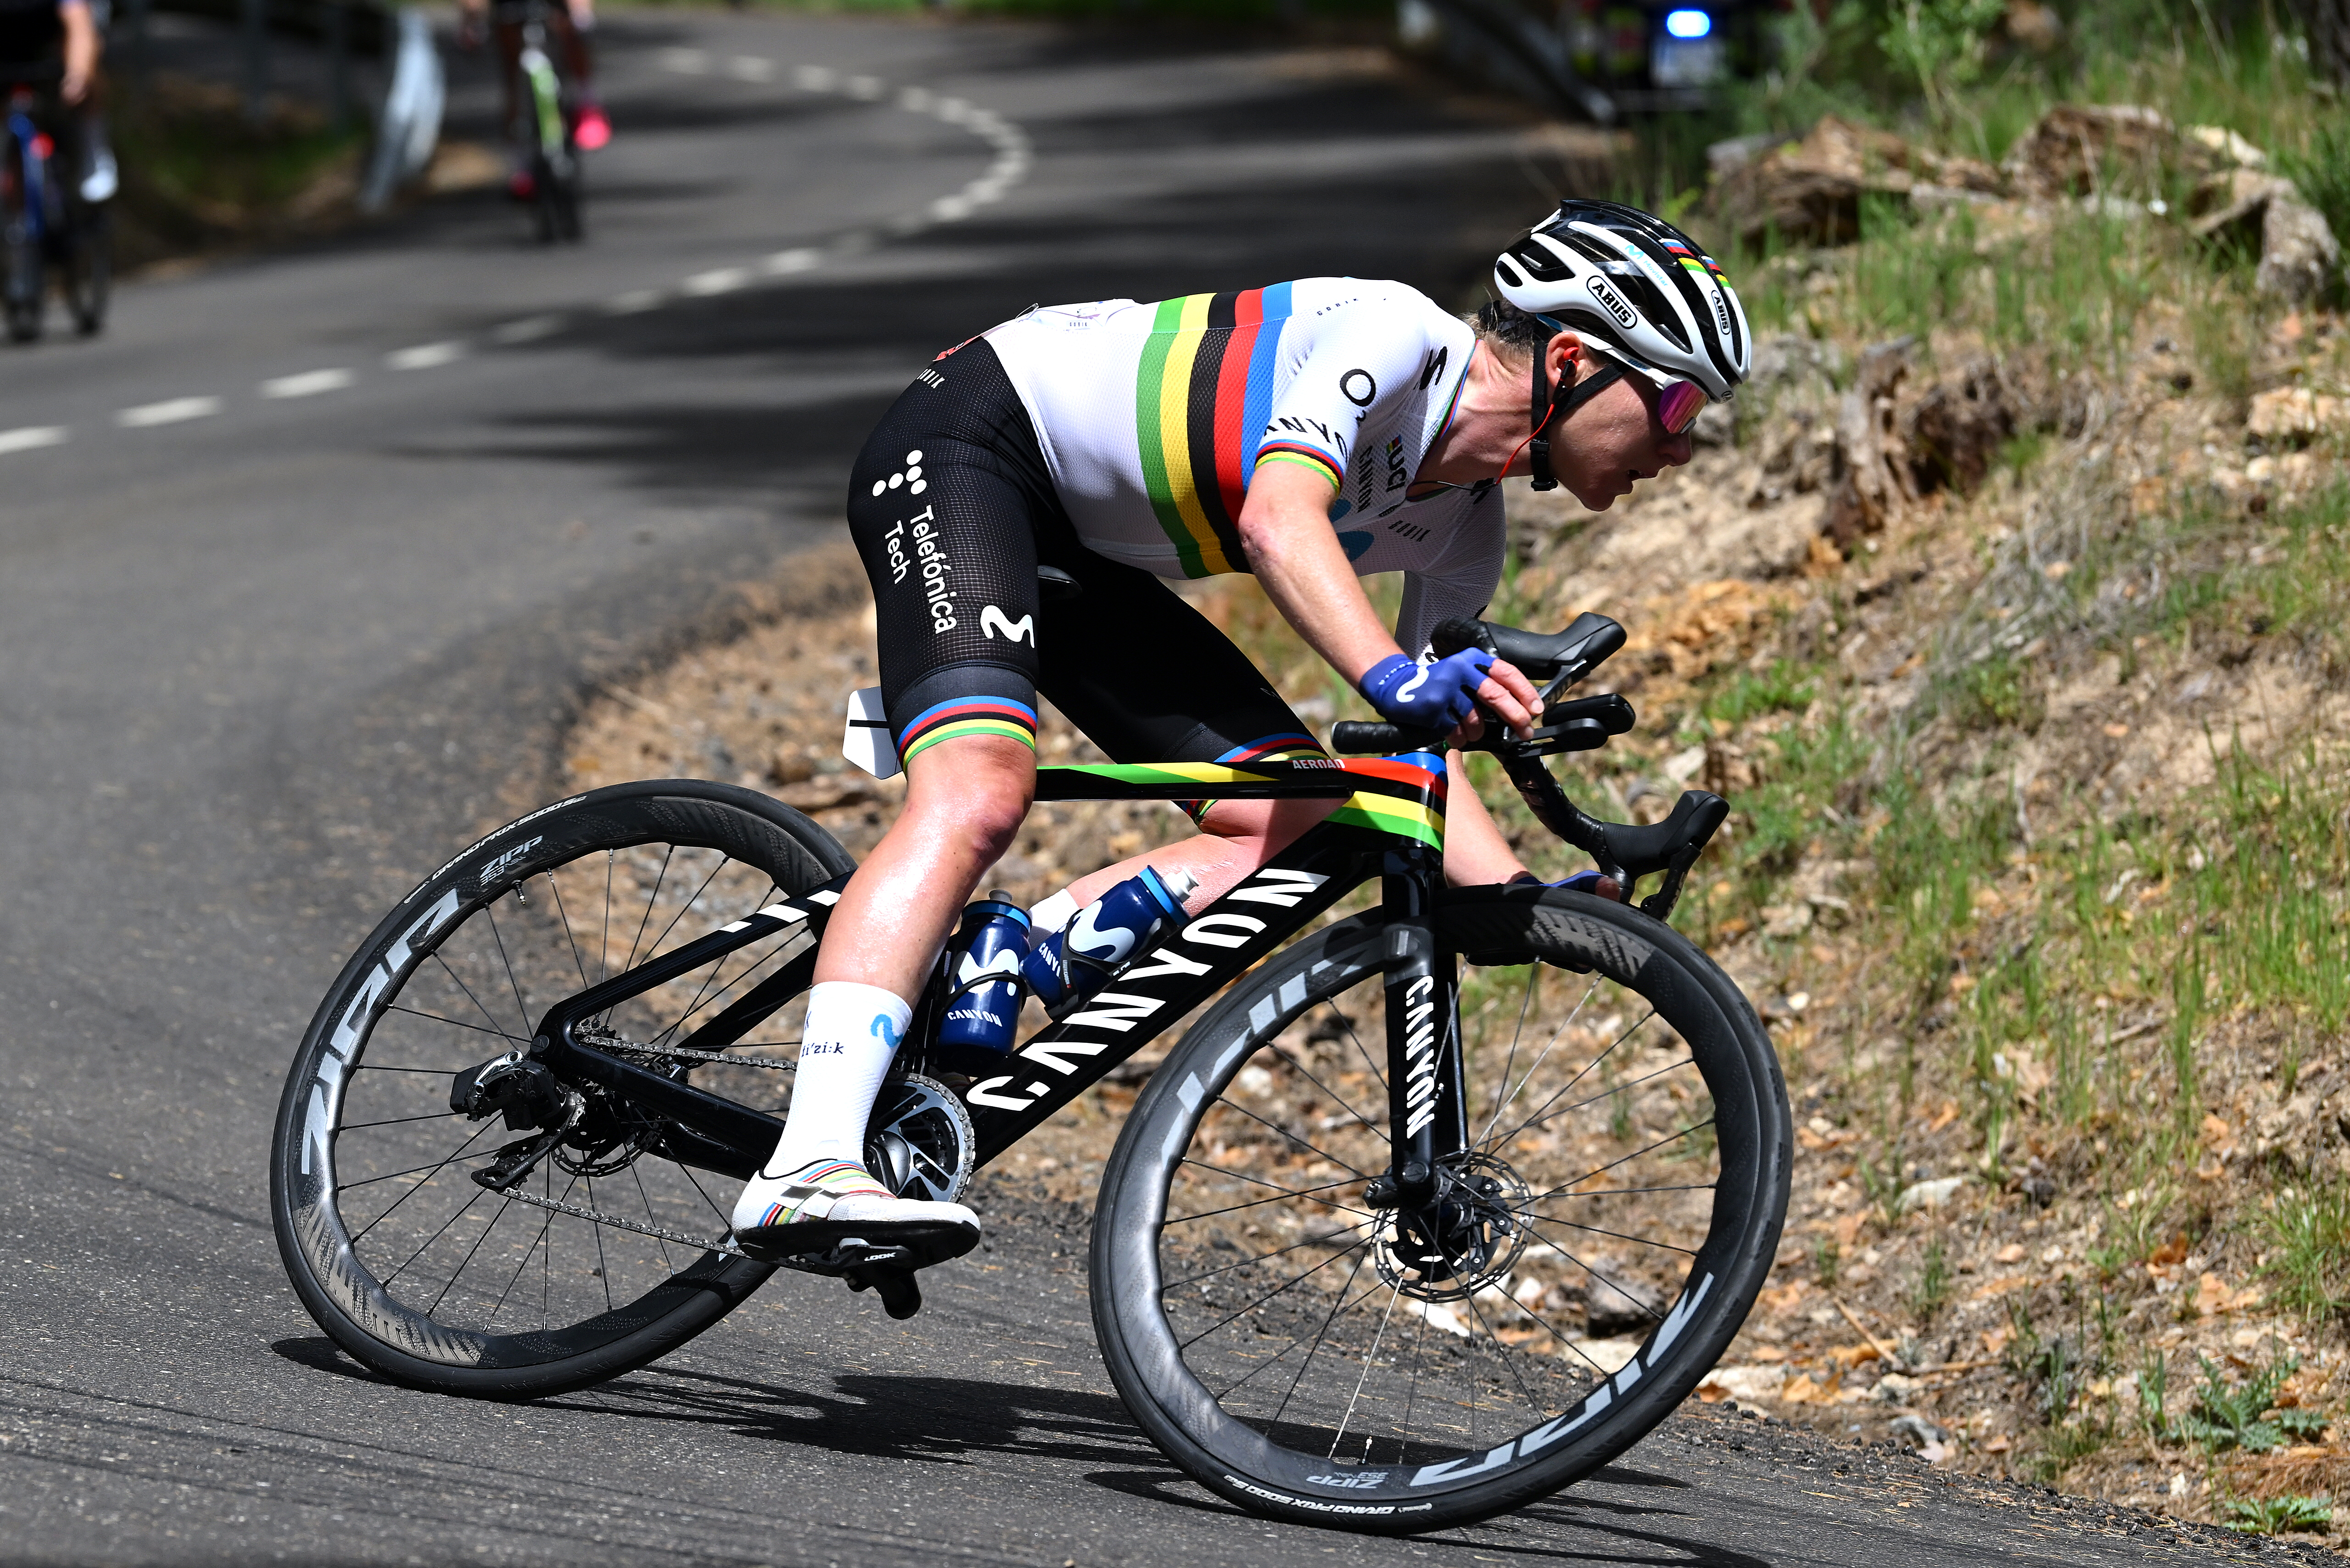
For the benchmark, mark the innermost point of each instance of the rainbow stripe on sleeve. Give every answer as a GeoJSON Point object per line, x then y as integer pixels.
{"type": "Point", "coordinates": [968, 716]}
{"type": "Point", "coordinates": [1203, 393]}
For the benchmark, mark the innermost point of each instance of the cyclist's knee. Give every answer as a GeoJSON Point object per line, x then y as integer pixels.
{"type": "Point", "coordinates": [976, 789]}
{"type": "Point", "coordinates": [1260, 829]}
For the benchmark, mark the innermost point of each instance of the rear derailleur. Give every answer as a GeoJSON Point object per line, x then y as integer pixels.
{"type": "Point", "coordinates": [531, 1098]}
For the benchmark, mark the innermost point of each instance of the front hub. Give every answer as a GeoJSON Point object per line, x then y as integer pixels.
{"type": "Point", "coordinates": [1468, 1233]}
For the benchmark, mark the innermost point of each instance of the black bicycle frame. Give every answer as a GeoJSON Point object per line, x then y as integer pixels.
{"type": "Point", "coordinates": [1389, 823]}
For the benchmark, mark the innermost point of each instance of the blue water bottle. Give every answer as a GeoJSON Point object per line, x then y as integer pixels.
{"type": "Point", "coordinates": [984, 1008]}
{"type": "Point", "coordinates": [1079, 959]}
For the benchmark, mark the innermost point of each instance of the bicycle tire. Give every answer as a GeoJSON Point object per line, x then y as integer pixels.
{"type": "Point", "coordinates": [545, 221]}
{"type": "Point", "coordinates": [567, 205]}
{"type": "Point", "coordinates": [368, 1157]}
{"type": "Point", "coordinates": [1195, 1215]}
{"type": "Point", "coordinates": [89, 270]}
{"type": "Point", "coordinates": [23, 282]}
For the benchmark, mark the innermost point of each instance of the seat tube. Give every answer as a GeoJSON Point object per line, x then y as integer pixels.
{"type": "Point", "coordinates": [1426, 1121]}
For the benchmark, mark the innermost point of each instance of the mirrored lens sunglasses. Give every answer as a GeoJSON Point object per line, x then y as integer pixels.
{"type": "Point", "coordinates": [1678, 400]}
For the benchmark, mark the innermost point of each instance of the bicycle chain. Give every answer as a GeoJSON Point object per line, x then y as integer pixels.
{"type": "Point", "coordinates": [596, 1217]}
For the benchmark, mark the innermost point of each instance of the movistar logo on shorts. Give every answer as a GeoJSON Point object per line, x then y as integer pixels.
{"type": "Point", "coordinates": [1605, 294]}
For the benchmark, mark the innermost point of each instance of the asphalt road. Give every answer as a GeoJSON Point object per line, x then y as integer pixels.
{"type": "Point", "coordinates": [303, 567]}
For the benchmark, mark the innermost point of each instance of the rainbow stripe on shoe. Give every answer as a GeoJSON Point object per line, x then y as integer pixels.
{"type": "Point", "coordinates": [829, 1179]}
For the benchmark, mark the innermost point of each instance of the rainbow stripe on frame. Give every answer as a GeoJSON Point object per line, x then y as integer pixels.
{"type": "Point", "coordinates": [1202, 395]}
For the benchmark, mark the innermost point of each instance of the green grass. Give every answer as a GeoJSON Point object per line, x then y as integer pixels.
{"type": "Point", "coordinates": [2275, 1516]}
{"type": "Point", "coordinates": [191, 145]}
{"type": "Point", "coordinates": [1932, 1290]}
{"type": "Point", "coordinates": [2308, 1239]}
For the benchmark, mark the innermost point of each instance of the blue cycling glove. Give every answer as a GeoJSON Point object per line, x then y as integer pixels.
{"type": "Point", "coordinates": [1435, 696]}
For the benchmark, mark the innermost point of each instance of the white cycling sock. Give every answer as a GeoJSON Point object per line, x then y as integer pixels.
{"type": "Point", "coordinates": [851, 1033]}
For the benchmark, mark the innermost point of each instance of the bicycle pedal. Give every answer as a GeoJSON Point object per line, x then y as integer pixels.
{"type": "Point", "coordinates": [901, 1292]}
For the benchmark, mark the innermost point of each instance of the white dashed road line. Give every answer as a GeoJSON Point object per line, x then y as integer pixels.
{"type": "Point", "coordinates": [308, 384]}
{"type": "Point", "coordinates": [424, 356]}
{"type": "Point", "coordinates": [26, 437]}
{"type": "Point", "coordinates": [720, 280]}
{"type": "Point", "coordinates": [1011, 164]}
{"type": "Point", "coordinates": [529, 329]}
{"type": "Point", "coordinates": [169, 412]}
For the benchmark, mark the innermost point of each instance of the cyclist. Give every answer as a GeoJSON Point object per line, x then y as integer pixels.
{"type": "Point", "coordinates": [568, 22]}
{"type": "Point", "coordinates": [1308, 433]}
{"type": "Point", "coordinates": [63, 36]}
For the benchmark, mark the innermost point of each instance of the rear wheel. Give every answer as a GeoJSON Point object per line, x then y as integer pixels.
{"type": "Point", "coordinates": [440, 1282]}
{"type": "Point", "coordinates": [564, 191]}
{"type": "Point", "coordinates": [1299, 1346]}
{"type": "Point", "coordinates": [22, 279]}
{"type": "Point", "coordinates": [89, 269]}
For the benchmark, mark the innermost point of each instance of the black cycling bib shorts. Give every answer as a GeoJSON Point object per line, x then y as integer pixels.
{"type": "Point", "coordinates": [953, 510]}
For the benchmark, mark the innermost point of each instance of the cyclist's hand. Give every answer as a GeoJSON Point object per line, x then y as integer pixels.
{"type": "Point", "coordinates": [74, 86]}
{"type": "Point", "coordinates": [1509, 696]}
{"type": "Point", "coordinates": [1433, 696]}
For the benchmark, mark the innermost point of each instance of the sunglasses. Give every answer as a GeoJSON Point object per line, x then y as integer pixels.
{"type": "Point", "coordinates": [1678, 402]}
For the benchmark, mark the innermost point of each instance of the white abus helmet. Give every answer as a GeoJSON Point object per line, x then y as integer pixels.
{"type": "Point", "coordinates": [1635, 283]}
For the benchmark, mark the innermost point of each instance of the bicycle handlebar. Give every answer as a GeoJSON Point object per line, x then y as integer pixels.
{"type": "Point", "coordinates": [1623, 850]}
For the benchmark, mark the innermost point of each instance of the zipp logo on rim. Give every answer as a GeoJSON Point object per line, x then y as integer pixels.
{"type": "Point", "coordinates": [491, 872]}
{"type": "Point", "coordinates": [1606, 295]}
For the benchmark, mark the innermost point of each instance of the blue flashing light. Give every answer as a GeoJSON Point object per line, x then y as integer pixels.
{"type": "Point", "coordinates": [1688, 24]}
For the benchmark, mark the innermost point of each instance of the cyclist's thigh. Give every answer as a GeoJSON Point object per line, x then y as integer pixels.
{"type": "Point", "coordinates": [941, 504]}
{"type": "Point", "coordinates": [1150, 679]}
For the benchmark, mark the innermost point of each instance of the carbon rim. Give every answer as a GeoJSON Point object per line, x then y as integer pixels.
{"type": "Point", "coordinates": [389, 1223]}
{"type": "Point", "coordinates": [1316, 1350]}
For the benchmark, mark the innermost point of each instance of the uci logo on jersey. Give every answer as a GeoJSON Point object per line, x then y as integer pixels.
{"type": "Point", "coordinates": [1613, 301]}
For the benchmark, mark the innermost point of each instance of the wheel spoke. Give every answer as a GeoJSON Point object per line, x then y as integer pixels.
{"type": "Point", "coordinates": [419, 1186]}
{"type": "Point", "coordinates": [1232, 1105]}
{"type": "Point", "coordinates": [1590, 1067]}
{"type": "Point", "coordinates": [1489, 1141]}
{"type": "Point", "coordinates": [1285, 1191]}
{"type": "Point", "coordinates": [452, 1022]}
{"type": "Point", "coordinates": [1259, 1203]}
{"type": "Point", "coordinates": [1288, 1284]}
{"type": "Point", "coordinates": [1299, 1067]}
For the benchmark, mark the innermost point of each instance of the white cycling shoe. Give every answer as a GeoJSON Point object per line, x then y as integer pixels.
{"type": "Point", "coordinates": [834, 1214]}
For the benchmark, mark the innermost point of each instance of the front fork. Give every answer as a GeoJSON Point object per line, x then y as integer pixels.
{"type": "Point", "coordinates": [1428, 1117]}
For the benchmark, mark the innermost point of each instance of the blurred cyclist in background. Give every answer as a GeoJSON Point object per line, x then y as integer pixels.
{"type": "Point", "coordinates": [568, 23]}
{"type": "Point", "coordinates": [38, 38]}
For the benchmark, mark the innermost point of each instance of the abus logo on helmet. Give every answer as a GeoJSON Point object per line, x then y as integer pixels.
{"type": "Point", "coordinates": [1613, 301]}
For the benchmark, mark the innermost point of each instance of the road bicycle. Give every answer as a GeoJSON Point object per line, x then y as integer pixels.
{"type": "Point", "coordinates": [1440, 1206]}
{"type": "Point", "coordinates": [549, 126]}
{"type": "Point", "coordinates": [46, 228]}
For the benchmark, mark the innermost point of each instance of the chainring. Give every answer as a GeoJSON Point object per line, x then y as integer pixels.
{"type": "Point", "coordinates": [919, 1143]}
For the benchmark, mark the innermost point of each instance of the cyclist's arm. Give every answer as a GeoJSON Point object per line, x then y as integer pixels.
{"type": "Point", "coordinates": [1286, 534]}
{"type": "Point", "coordinates": [81, 50]}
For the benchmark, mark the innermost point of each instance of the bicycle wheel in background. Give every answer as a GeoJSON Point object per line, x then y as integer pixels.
{"type": "Point", "coordinates": [1298, 1347]}
{"type": "Point", "coordinates": [22, 280]}
{"type": "Point", "coordinates": [439, 1282]}
{"type": "Point", "coordinates": [89, 268]}
{"type": "Point", "coordinates": [565, 193]}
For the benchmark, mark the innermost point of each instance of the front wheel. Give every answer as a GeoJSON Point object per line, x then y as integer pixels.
{"type": "Point", "coordinates": [1301, 1347]}
{"type": "Point", "coordinates": [609, 1251]}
